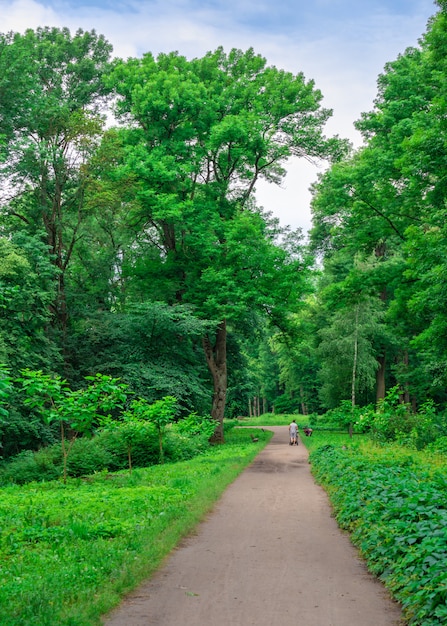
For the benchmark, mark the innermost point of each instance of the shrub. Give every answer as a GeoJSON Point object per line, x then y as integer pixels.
{"type": "Point", "coordinates": [395, 421]}
{"type": "Point", "coordinates": [394, 504]}
{"type": "Point", "coordinates": [24, 432]}
{"type": "Point", "coordinates": [108, 450]}
{"type": "Point", "coordinates": [439, 446]}
{"type": "Point", "coordinates": [28, 466]}
{"type": "Point", "coordinates": [88, 456]}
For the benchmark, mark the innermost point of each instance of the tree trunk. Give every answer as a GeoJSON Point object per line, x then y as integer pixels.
{"type": "Point", "coordinates": [303, 403]}
{"type": "Point", "coordinates": [216, 358]}
{"type": "Point", "coordinates": [354, 360]}
{"type": "Point", "coordinates": [354, 367]}
{"type": "Point", "coordinates": [380, 378]}
{"type": "Point", "coordinates": [406, 394]}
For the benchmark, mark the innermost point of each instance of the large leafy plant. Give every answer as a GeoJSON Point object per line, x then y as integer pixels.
{"type": "Point", "coordinates": [81, 410]}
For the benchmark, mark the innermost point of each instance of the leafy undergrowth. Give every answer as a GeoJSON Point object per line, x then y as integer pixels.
{"type": "Point", "coordinates": [394, 504]}
{"type": "Point", "coordinates": [68, 553]}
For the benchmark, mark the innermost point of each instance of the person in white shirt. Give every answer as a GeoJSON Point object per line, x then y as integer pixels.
{"type": "Point", "coordinates": [293, 433]}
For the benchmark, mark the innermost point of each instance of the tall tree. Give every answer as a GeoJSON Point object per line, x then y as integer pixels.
{"type": "Point", "coordinates": [347, 353]}
{"type": "Point", "coordinates": [52, 95]}
{"type": "Point", "coordinates": [203, 133]}
{"type": "Point", "coordinates": [390, 199]}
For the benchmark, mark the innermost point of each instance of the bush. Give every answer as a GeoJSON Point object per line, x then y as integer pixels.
{"type": "Point", "coordinates": [439, 446]}
{"type": "Point", "coordinates": [88, 456]}
{"type": "Point", "coordinates": [108, 451]}
{"type": "Point", "coordinates": [19, 433]}
{"type": "Point", "coordinates": [28, 466]}
{"type": "Point", "coordinates": [395, 421]}
{"type": "Point", "coordinates": [393, 502]}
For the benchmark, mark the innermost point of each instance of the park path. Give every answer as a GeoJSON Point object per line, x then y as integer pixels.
{"type": "Point", "coordinates": [269, 554]}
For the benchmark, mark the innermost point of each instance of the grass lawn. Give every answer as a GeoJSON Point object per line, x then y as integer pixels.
{"type": "Point", "coordinates": [70, 552]}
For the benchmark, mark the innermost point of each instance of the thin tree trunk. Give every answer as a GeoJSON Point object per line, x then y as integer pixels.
{"type": "Point", "coordinates": [406, 389]}
{"type": "Point", "coordinates": [129, 457]}
{"type": "Point", "coordinates": [64, 451]}
{"type": "Point", "coordinates": [380, 378]}
{"type": "Point", "coordinates": [303, 403]}
{"type": "Point", "coordinates": [354, 365]}
{"type": "Point", "coordinates": [216, 358]}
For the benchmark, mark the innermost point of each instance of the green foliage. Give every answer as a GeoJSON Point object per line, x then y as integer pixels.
{"type": "Point", "coordinates": [393, 503]}
{"type": "Point", "coordinates": [346, 416]}
{"type": "Point", "coordinates": [5, 391]}
{"type": "Point", "coordinates": [70, 552]}
{"type": "Point", "coordinates": [194, 425]}
{"type": "Point", "coordinates": [385, 207]}
{"type": "Point", "coordinates": [26, 292]}
{"type": "Point", "coordinates": [29, 466]}
{"type": "Point", "coordinates": [147, 247]}
{"type": "Point", "coordinates": [140, 419]}
{"type": "Point", "coordinates": [51, 116]}
{"type": "Point", "coordinates": [151, 346]}
{"type": "Point", "coordinates": [267, 419]}
{"type": "Point", "coordinates": [390, 421]}
{"type": "Point", "coordinates": [395, 421]}
{"type": "Point", "coordinates": [52, 398]}
{"type": "Point", "coordinates": [195, 171]}
{"type": "Point", "coordinates": [346, 348]}
{"type": "Point", "coordinates": [160, 413]}
{"type": "Point", "coordinates": [133, 441]}
{"type": "Point", "coordinates": [24, 432]}
{"type": "Point", "coordinates": [285, 404]}
{"type": "Point", "coordinates": [439, 446]}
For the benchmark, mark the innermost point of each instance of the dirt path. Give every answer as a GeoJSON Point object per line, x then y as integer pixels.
{"type": "Point", "coordinates": [270, 554]}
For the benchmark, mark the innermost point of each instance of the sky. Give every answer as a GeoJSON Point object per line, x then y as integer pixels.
{"type": "Point", "coordinates": [343, 45]}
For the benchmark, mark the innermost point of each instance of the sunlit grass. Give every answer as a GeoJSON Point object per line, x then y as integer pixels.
{"type": "Point", "coordinates": [70, 552]}
{"type": "Point", "coordinates": [266, 419]}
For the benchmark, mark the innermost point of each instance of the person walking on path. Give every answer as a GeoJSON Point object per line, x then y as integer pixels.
{"type": "Point", "coordinates": [269, 554]}
{"type": "Point", "coordinates": [293, 433]}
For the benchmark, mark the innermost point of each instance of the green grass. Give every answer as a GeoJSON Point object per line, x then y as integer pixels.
{"type": "Point", "coordinates": [267, 419]}
{"type": "Point", "coordinates": [70, 552]}
{"type": "Point", "coordinates": [321, 438]}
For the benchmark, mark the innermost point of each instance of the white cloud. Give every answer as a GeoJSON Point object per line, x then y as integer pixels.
{"type": "Point", "coordinates": [343, 48]}
{"type": "Point", "coordinates": [19, 15]}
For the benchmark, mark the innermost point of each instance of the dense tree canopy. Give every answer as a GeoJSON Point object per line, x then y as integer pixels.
{"type": "Point", "coordinates": [137, 250]}
{"type": "Point", "coordinates": [205, 131]}
{"type": "Point", "coordinates": [388, 203]}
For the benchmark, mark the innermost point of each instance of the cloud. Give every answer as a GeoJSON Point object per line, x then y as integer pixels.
{"type": "Point", "coordinates": [342, 44]}
{"type": "Point", "coordinates": [22, 14]}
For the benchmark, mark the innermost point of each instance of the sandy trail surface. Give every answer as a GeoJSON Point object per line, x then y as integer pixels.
{"type": "Point", "coordinates": [269, 554]}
